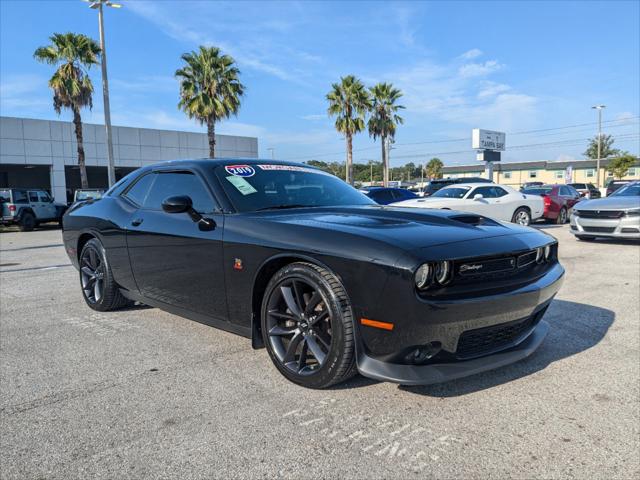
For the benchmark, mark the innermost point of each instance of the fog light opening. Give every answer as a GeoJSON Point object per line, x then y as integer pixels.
{"type": "Point", "coordinates": [423, 353]}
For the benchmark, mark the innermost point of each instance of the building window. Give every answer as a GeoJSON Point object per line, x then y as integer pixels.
{"type": "Point", "coordinates": [590, 173]}
{"type": "Point", "coordinates": [631, 172]}
{"type": "Point", "coordinates": [533, 174]}
{"type": "Point", "coordinates": [507, 175]}
{"type": "Point", "coordinates": [559, 174]}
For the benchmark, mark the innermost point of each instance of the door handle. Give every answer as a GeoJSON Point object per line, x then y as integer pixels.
{"type": "Point", "coordinates": [137, 222]}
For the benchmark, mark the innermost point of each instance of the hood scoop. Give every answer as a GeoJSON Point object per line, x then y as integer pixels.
{"type": "Point", "coordinates": [475, 220]}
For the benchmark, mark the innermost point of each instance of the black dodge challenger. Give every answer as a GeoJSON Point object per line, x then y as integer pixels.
{"type": "Point", "coordinates": [307, 266]}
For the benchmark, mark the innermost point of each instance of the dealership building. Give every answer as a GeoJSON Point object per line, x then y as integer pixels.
{"type": "Point", "coordinates": [43, 153]}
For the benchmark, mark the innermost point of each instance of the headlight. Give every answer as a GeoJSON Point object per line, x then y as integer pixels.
{"type": "Point", "coordinates": [443, 272]}
{"type": "Point", "coordinates": [424, 276]}
{"type": "Point", "coordinates": [576, 213]}
{"type": "Point", "coordinates": [539, 255]}
{"type": "Point", "coordinates": [633, 213]}
{"type": "Point", "coordinates": [547, 253]}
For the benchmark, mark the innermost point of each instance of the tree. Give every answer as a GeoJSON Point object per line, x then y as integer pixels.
{"type": "Point", "coordinates": [606, 149]}
{"type": "Point", "coordinates": [384, 119]}
{"type": "Point", "coordinates": [620, 166]}
{"type": "Point", "coordinates": [210, 88]}
{"type": "Point", "coordinates": [349, 103]}
{"type": "Point", "coordinates": [73, 54]}
{"type": "Point", "coordinates": [434, 168]}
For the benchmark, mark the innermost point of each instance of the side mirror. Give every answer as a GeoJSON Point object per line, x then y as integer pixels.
{"type": "Point", "coordinates": [177, 204]}
{"type": "Point", "coordinates": [478, 196]}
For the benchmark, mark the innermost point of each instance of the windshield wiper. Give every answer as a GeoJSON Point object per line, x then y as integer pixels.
{"type": "Point", "coordinates": [284, 207]}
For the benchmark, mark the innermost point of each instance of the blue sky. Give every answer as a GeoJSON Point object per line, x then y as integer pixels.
{"type": "Point", "coordinates": [512, 66]}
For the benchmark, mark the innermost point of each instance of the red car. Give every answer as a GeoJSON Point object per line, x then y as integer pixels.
{"type": "Point", "coordinates": [558, 200]}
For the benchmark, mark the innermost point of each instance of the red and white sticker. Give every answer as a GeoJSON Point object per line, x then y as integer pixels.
{"type": "Point", "coordinates": [292, 168]}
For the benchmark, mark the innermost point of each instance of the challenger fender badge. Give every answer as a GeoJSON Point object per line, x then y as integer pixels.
{"type": "Point", "coordinates": [237, 264]}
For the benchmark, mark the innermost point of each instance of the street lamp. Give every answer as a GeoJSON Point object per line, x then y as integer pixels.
{"type": "Point", "coordinates": [272, 150]}
{"type": "Point", "coordinates": [599, 108]}
{"type": "Point", "coordinates": [97, 4]}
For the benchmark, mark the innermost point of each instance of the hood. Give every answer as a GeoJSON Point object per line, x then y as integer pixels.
{"type": "Point", "coordinates": [406, 228]}
{"type": "Point", "coordinates": [609, 203]}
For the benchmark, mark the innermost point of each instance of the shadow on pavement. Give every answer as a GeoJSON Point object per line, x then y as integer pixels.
{"type": "Point", "coordinates": [575, 327]}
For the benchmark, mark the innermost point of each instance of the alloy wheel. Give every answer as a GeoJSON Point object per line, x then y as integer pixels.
{"type": "Point", "coordinates": [92, 275]}
{"type": "Point", "coordinates": [522, 218]}
{"type": "Point", "coordinates": [299, 326]}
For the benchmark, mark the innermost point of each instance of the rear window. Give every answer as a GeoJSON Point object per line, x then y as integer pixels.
{"type": "Point", "coordinates": [5, 195]}
{"type": "Point", "coordinates": [537, 190]}
{"type": "Point", "coordinates": [20, 196]}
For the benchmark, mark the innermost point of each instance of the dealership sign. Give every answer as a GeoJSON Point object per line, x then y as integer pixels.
{"type": "Point", "coordinates": [487, 140]}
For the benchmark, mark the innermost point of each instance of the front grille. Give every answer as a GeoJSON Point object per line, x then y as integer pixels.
{"type": "Point", "coordinates": [473, 270]}
{"type": "Point", "coordinates": [600, 213]}
{"type": "Point", "coordinates": [482, 341]}
{"type": "Point", "coordinates": [599, 229]}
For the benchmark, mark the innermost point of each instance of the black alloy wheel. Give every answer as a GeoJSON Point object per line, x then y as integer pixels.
{"type": "Point", "coordinates": [307, 326]}
{"type": "Point", "coordinates": [99, 289]}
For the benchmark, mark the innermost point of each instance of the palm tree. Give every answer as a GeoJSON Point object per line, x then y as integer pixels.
{"type": "Point", "coordinates": [349, 103]}
{"type": "Point", "coordinates": [384, 120]}
{"type": "Point", "coordinates": [73, 54]}
{"type": "Point", "coordinates": [434, 168]}
{"type": "Point", "coordinates": [210, 88]}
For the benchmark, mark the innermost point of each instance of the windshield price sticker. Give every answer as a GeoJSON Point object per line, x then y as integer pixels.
{"type": "Point", "coordinates": [244, 187]}
{"type": "Point", "coordinates": [240, 170]}
{"type": "Point", "coordinates": [292, 168]}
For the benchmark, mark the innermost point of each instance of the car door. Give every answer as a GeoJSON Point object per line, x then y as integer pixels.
{"type": "Point", "coordinates": [36, 205]}
{"type": "Point", "coordinates": [47, 205]}
{"type": "Point", "coordinates": [174, 259]}
{"type": "Point", "coordinates": [486, 205]}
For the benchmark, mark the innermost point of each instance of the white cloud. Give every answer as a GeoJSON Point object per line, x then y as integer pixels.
{"type": "Point", "coordinates": [479, 69]}
{"type": "Point", "coordinates": [490, 89]}
{"type": "Point", "coordinates": [315, 117]}
{"type": "Point", "coordinates": [471, 54]}
{"type": "Point", "coordinates": [24, 93]}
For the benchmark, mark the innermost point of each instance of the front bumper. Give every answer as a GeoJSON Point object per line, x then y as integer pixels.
{"type": "Point", "coordinates": [448, 321]}
{"type": "Point", "coordinates": [624, 227]}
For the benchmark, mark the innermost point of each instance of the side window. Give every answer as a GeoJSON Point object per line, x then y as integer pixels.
{"type": "Point", "coordinates": [33, 197]}
{"type": "Point", "coordinates": [574, 192]}
{"type": "Point", "coordinates": [486, 192]}
{"type": "Point", "coordinates": [20, 196]}
{"type": "Point", "coordinates": [499, 192]}
{"type": "Point", "coordinates": [138, 192]}
{"type": "Point", "coordinates": [170, 184]}
{"type": "Point", "coordinates": [44, 197]}
{"type": "Point", "coordinates": [565, 192]}
{"type": "Point", "coordinates": [382, 197]}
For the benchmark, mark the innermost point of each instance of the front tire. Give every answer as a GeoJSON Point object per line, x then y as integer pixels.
{"type": "Point", "coordinates": [522, 216]}
{"type": "Point", "coordinates": [99, 290]}
{"type": "Point", "coordinates": [307, 326]}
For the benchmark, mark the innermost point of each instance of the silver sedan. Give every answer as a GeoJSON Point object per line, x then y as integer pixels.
{"type": "Point", "coordinates": [616, 216]}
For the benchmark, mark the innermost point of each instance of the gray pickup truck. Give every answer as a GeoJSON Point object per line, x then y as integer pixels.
{"type": "Point", "coordinates": [28, 208]}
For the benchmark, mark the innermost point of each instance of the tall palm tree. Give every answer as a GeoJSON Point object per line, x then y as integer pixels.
{"type": "Point", "coordinates": [73, 54]}
{"type": "Point", "coordinates": [349, 103]}
{"type": "Point", "coordinates": [210, 88]}
{"type": "Point", "coordinates": [384, 119]}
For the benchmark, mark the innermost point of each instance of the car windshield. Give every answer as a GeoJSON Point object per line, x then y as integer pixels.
{"type": "Point", "coordinates": [581, 186]}
{"type": "Point", "coordinates": [632, 190]}
{"type": "Point", "coordinates": [452, 192]}
{"type": "Point", "coordinates": [276, 186]}
{"type": "Point", "coordinates": [87, 195]}
{"type": "Point", "coordinates": [538, 190]}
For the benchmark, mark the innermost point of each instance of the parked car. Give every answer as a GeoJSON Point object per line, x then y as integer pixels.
{"type": "Point", "coordinates": [586, 190]}
{"type": "Point", "coordinates": [28, 208]}
{"type": "Point", "coordinates": [434, 185]}
{"type": "Point", "coordinates": [615, 185]}
{"type": "Point", "coordinates": [558, 201]}
{"type": "Point", "coordinates": [495, 201]}
{"type": "Point", "coordinates": [617, 216]}
{"type": "Point", "coordinates": [82, 195]}
{"type": "Point", "coordinates": [385, 196]}
{"type": "Point", "coordinates": [302, 263]}
{"type": "Point", "coordinates": [526, 185]}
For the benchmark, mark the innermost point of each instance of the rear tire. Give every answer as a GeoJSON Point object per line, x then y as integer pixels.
{"type": "Point", "coordinates": [562, 216]}
{"type": "Point", "coordinates": [307, 326]}
{"type": "Point", "coordinates": [522, 216]}
{"type": "Point", "coordinates": [99, 290]}
{"type": "Point", "coordinates": [27, 222]}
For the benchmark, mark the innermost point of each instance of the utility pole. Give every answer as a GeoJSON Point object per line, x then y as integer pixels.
{"type": "Point", "coordinates": [272, 150]}
{"type": "Point", "coordinates": [599, 108]}
{"type": "Point", "coordinates": [97, 4]}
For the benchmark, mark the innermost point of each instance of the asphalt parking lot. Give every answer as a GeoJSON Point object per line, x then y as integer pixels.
{"type": "Point", "coordinates": [144, 394]}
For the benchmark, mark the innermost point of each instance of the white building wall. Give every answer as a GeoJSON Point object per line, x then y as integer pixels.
{"type": "Point", "coordinates": [26, 141]}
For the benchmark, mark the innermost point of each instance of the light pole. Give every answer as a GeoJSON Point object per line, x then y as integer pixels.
{"type": "Point", "coordinates": [599, 108]}
{"type": "Point", "coordinates": [97, 4]}
{"type": "Point", "coordinates": [271, 149]}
